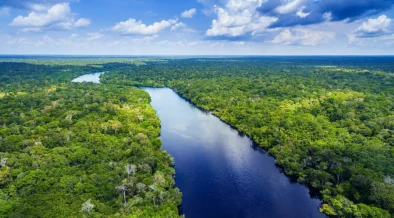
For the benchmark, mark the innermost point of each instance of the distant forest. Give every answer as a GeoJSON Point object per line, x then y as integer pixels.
{"type": "Point", "coordinates": [93, 150]}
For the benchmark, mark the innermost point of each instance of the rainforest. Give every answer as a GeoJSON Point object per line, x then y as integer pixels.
{"type": "Point", "coordinates": [95, 150]}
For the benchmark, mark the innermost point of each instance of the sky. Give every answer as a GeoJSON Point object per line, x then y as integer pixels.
{"type": "Point", "coordinates": [197, 27]}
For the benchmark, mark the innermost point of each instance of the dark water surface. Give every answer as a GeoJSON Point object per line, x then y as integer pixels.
{"type": "Point", "coordinates": [220, 172]}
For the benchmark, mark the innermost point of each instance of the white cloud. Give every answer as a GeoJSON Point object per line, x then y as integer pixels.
{"type": "Point", "coordinates": [378, 41]}
{"type": "Point", "coordinates": [83, 22]}
{"type": "Point", "coordinates": [134, 27]}
{"type": "Point", "coordinates": [177, 26]}
{"type": "Point", "coordinates": [57, 13]}
{"type": "Point", "coordinates": [94, 36]}
{"type": "Point", "coordinates": [373, 27]}
{"type": "Point", "coordinates": [239, 17]}
{"type": "Point", "coordinates": [208, 6]}
{"type": "Point", "coordinates": [302, 36]}
{"type": "Point", "coordinates": [4, 11]}
{"type": "Point", "coordinates": [189, 13]}
{"type": "Point", "coordinates": [301, 12]}
{"type": "Point", "coordinates": [58, 16]}
{"type": "Point", "coordinates": [37, 7]}
{"type": "Point", "coordinates": [290, 7]}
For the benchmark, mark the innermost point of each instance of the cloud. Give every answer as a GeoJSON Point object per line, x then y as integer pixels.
{"type": "Point", "coordinates": [134, 27]}
{"type": "Point", "coordinates": [289, 7]}
{"type": "Point", "coordinates": [208, 6]}
{"type": "Point", "coordinates": [177, 26]}
{"type": "Point", "coordinates": [4, 11]}
{"type": "Point", "coordinates": [182, 27]}
{"type": "Point", "coordinates": [34, 5]}
{"type": "Point", "coordinates": [382, 41]}
{"type": "Point", "coordinates": [374, 27]}
{"type": "Point", "coordinates": [57, 13]}
{"type": "Point", "coordinates": [83, 22]}
{"type": "Point", "coordinates": [305, 12]}
{"type": "Point", "coordinates": [57, 17]}
{"type": "Point", "coordinates": [94, 36]}
{"type": "Point", "coordinates": [301, 12]}
{"type": "Point", "coordinates": [189, 13]}
{"type": "Point", "coordinates": [301, 36]}
{"type": "Point", "coordinates": [238, 18]}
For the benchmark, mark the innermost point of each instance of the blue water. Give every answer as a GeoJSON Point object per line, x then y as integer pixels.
{"type": "Point", "coordinates": [220, 172]}
{"type": "Point", "coordinates": [93, 77]}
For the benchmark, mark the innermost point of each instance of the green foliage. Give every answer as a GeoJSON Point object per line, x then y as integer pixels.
{"type": "Point", "coordinates": [330, 127]}
{"type": "Point", "coordinates": [64, 149]}
{"type": "Point", "coordinates": [329, 123]}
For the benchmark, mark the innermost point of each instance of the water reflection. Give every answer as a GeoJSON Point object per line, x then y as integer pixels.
{"type": "Point", "coordinates": [92, 77]}
{"type": "Point", "coordinates": [219, 171]}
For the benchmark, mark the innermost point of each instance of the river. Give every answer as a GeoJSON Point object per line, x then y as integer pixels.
{"type": "Point", "coordinates": [92, 77]}
{"type": "Point", "coordinates": [219, 171]}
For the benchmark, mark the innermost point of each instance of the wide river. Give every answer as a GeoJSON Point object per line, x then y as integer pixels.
{"type": "Point", "coordinates": [219, 171]}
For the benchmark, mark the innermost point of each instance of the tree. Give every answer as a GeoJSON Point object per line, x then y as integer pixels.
{"type": "Point", "coordinates": [122, 188]}
{"type": "Point", "coordinates": [87, 207]}
{"type": "Point", "coordinates": [130, 169]}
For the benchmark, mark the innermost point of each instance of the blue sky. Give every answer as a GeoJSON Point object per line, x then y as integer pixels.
{"type": "Point", "coordinates": [197, 27]}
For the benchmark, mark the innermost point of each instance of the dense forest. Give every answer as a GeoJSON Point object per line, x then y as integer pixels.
{"type": "Point", "coordinates": [328, 122]}
{"type": "Point", "coordinates": [79, 150]}
{"type": "Point", "coordinates": [75, 150]}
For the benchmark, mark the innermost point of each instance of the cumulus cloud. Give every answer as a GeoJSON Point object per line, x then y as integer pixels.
{"type": "Point", "coordinates": [134, 27]}
{"type": "Point", "coordinates": [83, 22]}
{"type": "Point", "coordinates": [58, 16]}
{"type": "Point", "coordinates": [189, 13]}
{"type": "Point", "coordinates": [374, 27]}
{"type": "Point", "coordinates": [305, 12]}
{"type": "Point", "coordinates": [57, 13]}
{"type": "Point", "coordinates": [237, 18]}
{"type": "Point", "coordinates": [301, 36]}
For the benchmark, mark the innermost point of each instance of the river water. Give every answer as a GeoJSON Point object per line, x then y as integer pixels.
{"type": "Point", "coordinates": [219, 171]}
{"type": "Point", "coordinates": [92, 77]}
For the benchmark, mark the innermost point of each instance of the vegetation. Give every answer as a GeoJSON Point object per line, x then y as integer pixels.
{"type": "Point", "coordinates": [79, 150]}
{"type": "Point", "coordinates": [330, 127]}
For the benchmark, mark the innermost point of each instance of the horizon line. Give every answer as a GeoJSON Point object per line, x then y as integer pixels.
{"type": "Point", "coordinates": [208, 55]}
